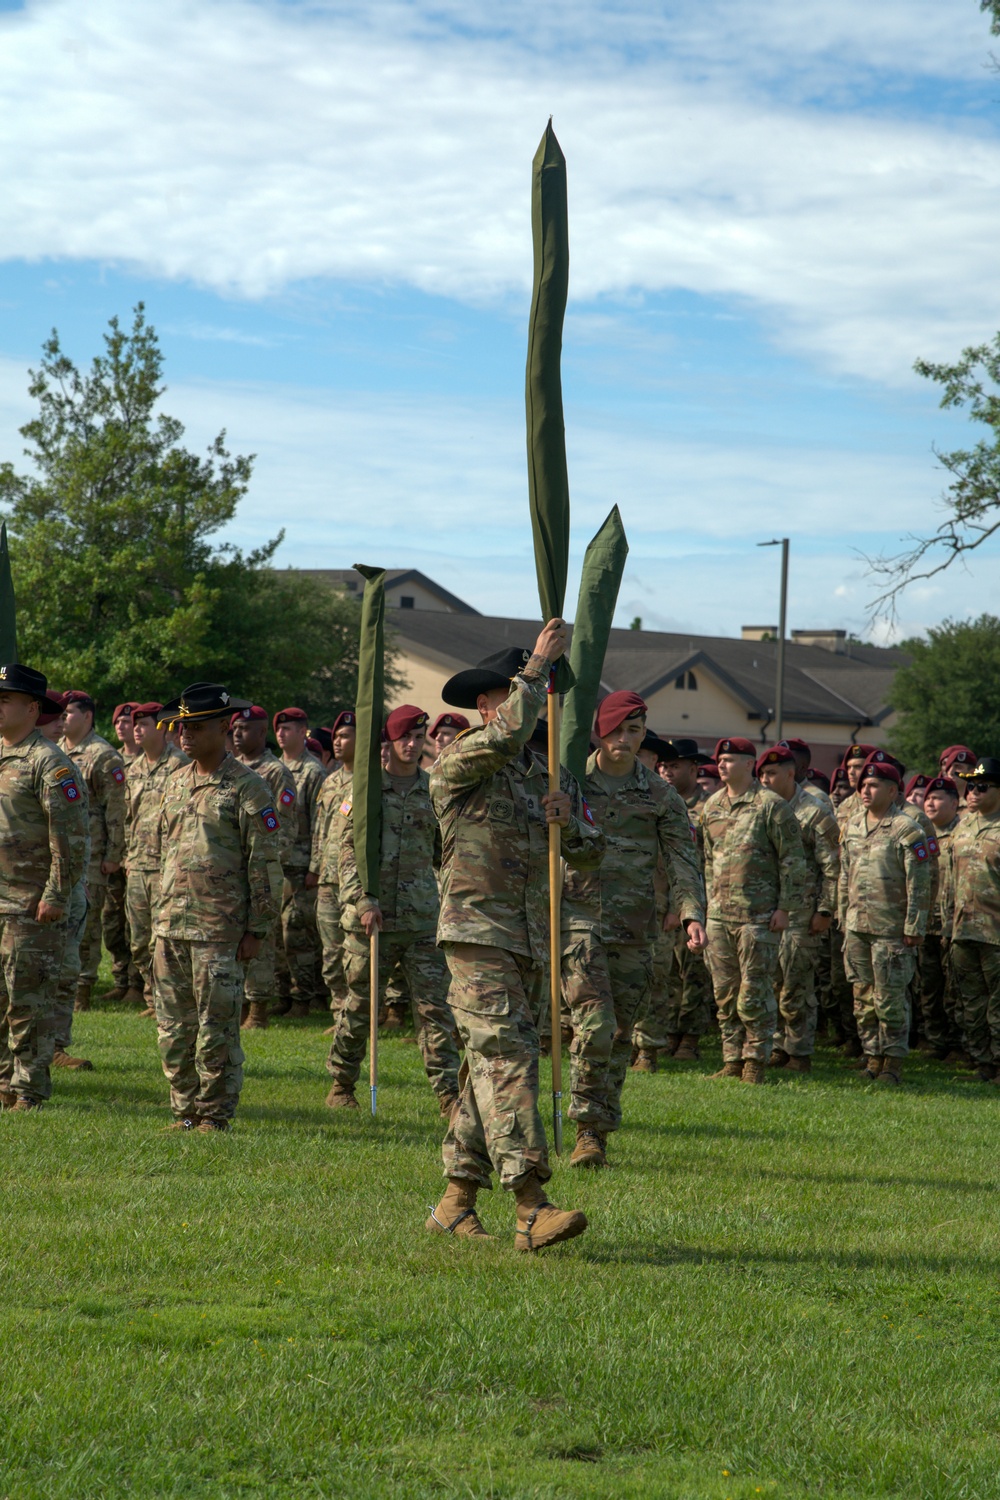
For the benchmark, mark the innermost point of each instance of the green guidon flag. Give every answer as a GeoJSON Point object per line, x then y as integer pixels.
{"type": "Point", "coordinates": [8, 618]}
{"type": "Point", "coordinates": [548, 482]}
{"type": "Point", "coordinates": [603, 566]}
{"type": "Point", "coordinates": [370, 710]}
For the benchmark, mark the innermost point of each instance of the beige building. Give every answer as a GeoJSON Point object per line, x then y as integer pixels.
{"type": "Point", "coordinates": [698, 687]}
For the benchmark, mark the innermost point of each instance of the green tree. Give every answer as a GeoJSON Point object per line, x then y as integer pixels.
{"type": "Point", "coordinates": [120, 587]}
{"type": "Point", "coordinates": [949, 694]}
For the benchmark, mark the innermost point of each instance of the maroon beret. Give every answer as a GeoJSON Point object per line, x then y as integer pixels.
{"type": "Point", "coordinates": [943, 784]}
{"type": "Point", "coordinates": [799, 746]}
{"type": "Point", "coordinates": [314, 745]}
{"type": "Point", "coordinates": [881, 763]}
{"type": "Point", "coordinates": [613, 710]}
{"type": "Point", "coordinates": [452, 721]}
{"type": "Point", "coordinates": [121, 708]}
{"type": "Point", "coordinates": [710, 770]}
{"type": "Point", "coordinates": [291, 716]}
{"type": "Point", "coordinates": [403, 720]}
{"type": "Point", "coordinates": [254, 712]}
{"type": "Point", "coordinates": [857, 752]}
{"type": "Point", "coordinates": [144, 710]}
{"type": "Point", "coordinates": [778, 755]}
{"type": "Point", "coordinates": [735, 746]}
{"type": "Point", "coordinates": [956, 755]}
{"type": "Point", "coordinates": [346, 719]}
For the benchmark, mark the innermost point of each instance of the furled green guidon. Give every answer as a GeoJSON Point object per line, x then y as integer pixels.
{"type": "Point", "coordinates": [367, 789]}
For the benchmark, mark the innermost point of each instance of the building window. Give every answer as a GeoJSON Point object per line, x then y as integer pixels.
{"type": "Point", "coordinates": [406, 601]}
{"type": "Point", "coordinates": [691, 683]}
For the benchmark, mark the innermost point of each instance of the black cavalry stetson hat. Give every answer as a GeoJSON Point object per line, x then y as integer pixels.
{"type": "Point", "coordinates": [15, 678]}
{"type": "Point", "coordinates": [987, 768]}
{"type": "Point", "coordinates": [496, 671]}
{"type": "Point", "coordinates": [202, 700]}
{"type": "Point", "coordinates": [662, 749]}
{"type": "Point", "coordinates": [687, 750]}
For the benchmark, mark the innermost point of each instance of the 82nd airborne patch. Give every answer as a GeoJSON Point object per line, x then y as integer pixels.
{"type": "Point", "coordinates": [287, 798]}
{"type": "Point", "coordinates": [269, 818]}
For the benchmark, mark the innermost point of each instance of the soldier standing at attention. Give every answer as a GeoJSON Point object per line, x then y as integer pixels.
{"type": "Point", "coordinates": [303, 953]}
{"type": "Point", "coordinates": [799, 948]}
{"type": "Point", "coordinates": [446, 727]}
{"type": "Point", "coordinates": [145, 781]}
{"type": "Point", "coordinates": [114, 924]}
{"type": "Point", "coordinates": [689, 994]}
{"type": "Point", "coordinates": [249, 731]}
{"type": "Point", "coordinates": [941, 1025]}
{"type": "Point", "coordinates": [100, 769]}
{"type": "Point", "coordinates": [43, 837]}
{"type": "Point", "coordinates": [854, 760]}
{"type": "Point", "coordinates": [406, 914]}
{"type": "Point", "coordinates": [220, 887]}
{"type": "Point", "coordinates": [332, 806]}
{"type": "Point", "coordinates": [609, 916]}
{"type": "Point", "coordinates": [885, 900]}
{"type": "Point", "coordinates": [803, 756]}
{"type": "Point", "coordinates": [491, 799]}
{"type": "Point", "coordinates": [755, 873]}
{"type": "Point", "coordinates": [974, 901]}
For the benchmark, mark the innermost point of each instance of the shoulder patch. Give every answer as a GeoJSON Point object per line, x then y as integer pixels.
{"type": "Point", "coordinates": [588, 816]}
{"type": "Point", "coordinates": [287, 798]}
{"type": "Point", "coordinates": [118, 774]}
{"type": "Point", "coordinates": [269, 818]}
{"type": "Point", "coordinates": [934, 847]}
{"type": "Point", "coordinates": [346, 806]}
{"type": "Point", "coordinates": [69, 788]}
{"type": "Point", "coordinates": [920, 850]}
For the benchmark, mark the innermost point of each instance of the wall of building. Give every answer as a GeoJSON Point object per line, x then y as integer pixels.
{"type": "Point", "coordinates": [425, 680]}
{"type": "Point", "coordinates": [421, 596]}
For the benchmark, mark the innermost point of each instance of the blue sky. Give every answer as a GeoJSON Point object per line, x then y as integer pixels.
{"type": "Point", "coordinates": [775, 207]}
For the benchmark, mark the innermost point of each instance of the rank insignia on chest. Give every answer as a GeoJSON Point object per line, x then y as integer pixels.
{"type": "Point", "coordinates": [269, 818]}
{"type": "Point", "coordinates": [117, 774]}
{"type": "Point", "coordinates": [70, 790]}
{"type": "Point", "coordinates": [287, 797]}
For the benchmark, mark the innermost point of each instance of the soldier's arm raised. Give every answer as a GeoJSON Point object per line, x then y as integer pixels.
{"type": "Point", "coordinates": [479, 753]}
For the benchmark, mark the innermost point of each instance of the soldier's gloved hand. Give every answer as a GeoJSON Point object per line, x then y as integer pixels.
{"type": "Point", "coordinates": [697, 937]}
{"type": "Point", "coordinates": [557, 808]}
{"type": "Point", "coordinates": [249, 947]}
{"type": "Point", "coordinates": [552, 642]}
{"type": "Point", "coordinates": [779, 921]}
{"type": "Point", "coordinates": [371, 920]}
{"type": "Point", "coordinates": [46, 913]}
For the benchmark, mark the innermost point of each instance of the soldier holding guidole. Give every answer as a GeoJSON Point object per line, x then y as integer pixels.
{"type": "Point", "coordinates": [491, 798]}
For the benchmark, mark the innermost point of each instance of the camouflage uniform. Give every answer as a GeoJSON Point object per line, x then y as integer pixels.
{"type": "Point", "coordinates": [220, 877]}
{"type": "Point", "coordinates": [942, 1025]}
{"type": "Point", "coordinates": [115, 931]}
{"type": "Point", "coordinates": [332, 806]}
{"type": "Point", "coordinates": [754, 865]}
{"type": "Point", "coordinates": [486, 789]}
{"type": "Point", "coordinates": [144, 786]}
{"type": "Point", "coordinates": [69, 969]}
{"type": "Point", "coordinates": [885, 894]}
{"type": "Point", "coordinates": [408, 900]}
{"type": "Point", "coordinates": [43, 845]}
{"type": "Point", "coordinates": [609, 926]}
{"type": "Point", "coordinates": [799, 949]}
{"type": "Point", "coordinates": [260, 984]}
{"type": "Point", "coordinates": [301, 956]}
{"type": "Point", "coordinates": [810, 789]}
{"type": "Point", "coordinates": [973, 899]}
{"type": "Point", "coordinates": [680, 997]}
{"type": "Point", "coordinates": [100, 768]}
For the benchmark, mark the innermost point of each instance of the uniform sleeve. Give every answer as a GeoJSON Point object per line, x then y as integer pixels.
{"type": "Point", "coordinates": [260, 837]}
{"type": "Point", "coordinates": [674, 833]}
{"type": "Point", "coordinates": [351, 893]}
{"type": "Point", "coordinates": [787, 841]}
{"type": "Point", "coordinates": [843, 881]}
{"type": "Point", "coordinates": [826, 851]}
{"type": "Point", "coordinates": [287, 797]}
{"type": "Point", "coordinates": [946, 889]}
{"type": "Point", "coordinates": [65, 806]}
{"type": "Point", "coordinates": [919, 871]}
{"type": "Point", "coordinates": [321, 824]}
{"type": "Point", "coordinates": [109, 793]}
{"type": "Point", "coordinates": [582, 844]}
{"type": "Point", "coordinates": [708, 855]}
{"type": "Point", "coordinates": [479, 753]}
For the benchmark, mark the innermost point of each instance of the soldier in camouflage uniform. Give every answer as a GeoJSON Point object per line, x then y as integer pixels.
{"type": "Point", "coordinates": [491, 798]}
{"type": "Point", "coordinates": [406, 914]}
{"type": "Point", "coordinates": [885, 902]}
{"type": "Point", "coordinates": [755, 874]}
{"type": "Point", "coordinates": [43, 836]}
{"type": "Point", "coordinates": [332, 806]}
{"type": "Point", "coordinates": [941, 1025]}
{"type": "Point", "coordinates": [609, 917]}
{"type": "Point", "coordinates": [249, 730]}
{"type": "Point", "coordinates": [114, 923]}
{"type": "Point", "coordinates": [100, 769]}
{"type": "Point", "coordinates": [145, 781]}
{"type": "Point", "coordinates": [802, 755]}
{"type": "Point", "coordinates": [973, 905]}
{"type": "Point", "coordinates": [301, 950]}
{"type": "Point", "coordinates": [220, 885]}
{"type": "Point", "coordinates": [799, 948]}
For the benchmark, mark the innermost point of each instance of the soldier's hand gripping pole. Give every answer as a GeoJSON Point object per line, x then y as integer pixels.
{"type": "Point", "coordinates": [373, 1017]}
{"type": "Point", "coordinates": [555, 919]}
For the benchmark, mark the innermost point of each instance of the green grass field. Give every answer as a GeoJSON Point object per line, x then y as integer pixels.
{"type": "Point", "coordinates": [788, 1292]}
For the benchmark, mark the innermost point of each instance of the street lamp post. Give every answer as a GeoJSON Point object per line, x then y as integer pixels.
{"type": "Point", "coordinates": [779, 692]}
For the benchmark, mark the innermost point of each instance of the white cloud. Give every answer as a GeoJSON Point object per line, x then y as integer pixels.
{"type": "Point", "coordinates": [245, 146]}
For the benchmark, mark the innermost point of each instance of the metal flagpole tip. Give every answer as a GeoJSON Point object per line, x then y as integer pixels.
{"type": "Point", "coordinates": [374, 1092]}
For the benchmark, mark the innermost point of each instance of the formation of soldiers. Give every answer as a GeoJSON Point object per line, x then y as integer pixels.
{"type": "Point", "coordinates": [740, 891]}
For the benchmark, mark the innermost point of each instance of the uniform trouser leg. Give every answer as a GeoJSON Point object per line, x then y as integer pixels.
{"type": "Point", "coordinates": [198, 990]}
{"type": "Point", "coordinates": [30, 955]}
{"type": "Point", "coordinates": [690, 1009]}
{"type": "Point", "coordinates": [69, 969]}
{"type": "Point", "coordinates": [932, 981]}
{"type": "Point", "coordinates": [303, 952]}
{"type": "Point", "coordinates": [652, 1025]}
{"type": "Point", "coordinates": [141, 898]}
{"type": "Point", "coordinates": [496, 1125]}
{"type": "Point", "coordinates": [824, 993]}
{"type": "Point", "coordinates": [743, 961]}
{"type": "Point", "coordinates": [606, 988]}
{"type": "Point", "coordinates": [115, 930]}
{"type": "Point", "coordinates": [841, 989]}
{"type": "Point", "coordinates": [975, 971]}
{"type": "Point", "coordinates": [331, 938]}
{"type": "Point", "coordinates": [795, 1030]}
{"type": "Point", "coordinates": [260, 984]}
{"type": "Point", "coordinates": [880, 969]}
{"type": "Point", "coordinates": [90, 947]}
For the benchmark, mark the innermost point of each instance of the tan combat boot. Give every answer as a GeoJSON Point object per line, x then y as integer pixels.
{"type": "Point", "coordinates": [779, 1058]}
{"type": "Point", "coordinates": [645, 1061]}
{"type": "Point", "coordinates": [82, 1001]}
{"type": "Point", "coordinates": [754, 1071]}
{"type": "Point", "coordinates": [891, 1071]}
{"type": "Point", "coordinates": [873, 1067]}
{"type": "Point", "coordinates": [144, 1015]}
{"type": "Point", "coordinates": [341, 1098]}
{"type": "Point", "coordinates": [540, 1223]}
{"type": "Point", "coordinates": [133, 996]}
{"type": "Point", "coordinates": [686, 1049]}
{"type": "Point", "coordinates": [456, 1212]}
{"type": "Point", "coordinates": [590, 1148]}
{"type": "Point", "coordinates": [730, 1070]}
{"type": "Point", "coordinates": [61, 1059]}
{"type": "Point", "coordinates": [257, 1017]}
{"type": "Point", "coordinates": [186, 1122]}
{"type": "Point", "coordinates": [393, 1019]}
{"type": "Point", "coordinates": [799, 1065]}
{"type": "Point", "coordinates": [23, 1105]}
{"type": "Point", "coordinates": [7, 1098]}
{"type": "Point", "coordinates": [210, 1125]}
